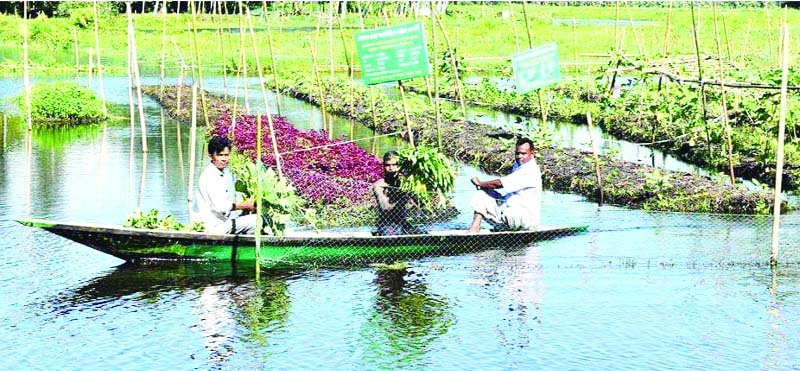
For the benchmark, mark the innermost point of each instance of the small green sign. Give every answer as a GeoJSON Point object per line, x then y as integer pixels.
{"type": "Point", "coordinates": [392, 53]}
{"type": "Point", "coordinates": [536, 68]}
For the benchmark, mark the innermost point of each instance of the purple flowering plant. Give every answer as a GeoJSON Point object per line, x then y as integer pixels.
{"type": "Point", "coordinates": [324, 171]}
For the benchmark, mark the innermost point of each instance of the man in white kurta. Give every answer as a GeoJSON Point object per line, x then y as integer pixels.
{"type": "Point", "coordinates": [215, 203]}
{"type": "Point", "coordinates": [519, 204]}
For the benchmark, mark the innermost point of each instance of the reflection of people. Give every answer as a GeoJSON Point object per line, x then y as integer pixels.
{"type": "Point", "coordinates": [519, 206]}
{"type": "Point", "coordinates": [215, 200]}
{"type": "Point", "coordinates": [392, 203]}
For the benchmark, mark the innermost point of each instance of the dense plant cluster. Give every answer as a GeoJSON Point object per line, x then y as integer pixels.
{"type": "Point", "coordinates": [63, 102]}
{"type": "Point", "coordinates": [323, 170]}
{"type": "Point", "coordinates": [152, 221]}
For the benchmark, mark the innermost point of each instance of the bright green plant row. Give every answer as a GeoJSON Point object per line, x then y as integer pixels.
{"type": "Point", "coordinates": [62, 102]}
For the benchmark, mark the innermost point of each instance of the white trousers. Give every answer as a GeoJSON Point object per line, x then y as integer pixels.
{"type": "Point", "coordinates": [498, 213]}
{"type": "Point", "coordinates": [245, 224]}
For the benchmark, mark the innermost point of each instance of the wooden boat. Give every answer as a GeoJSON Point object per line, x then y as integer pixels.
{"type": "Point", "coordinates": [320, 248]}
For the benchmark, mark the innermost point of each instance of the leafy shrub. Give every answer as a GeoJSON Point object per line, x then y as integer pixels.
{"type": "Point", "coordinates": [63, 102]}
{"type": "Point", "coordinates": [151, 221]}
{"type": "Point", "coordinates": [429, 175]}
{"type": "Point", "coordinates": [51, 33]}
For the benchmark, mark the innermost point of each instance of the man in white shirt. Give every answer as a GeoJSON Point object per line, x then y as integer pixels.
{"type": "Point", "coordinates": [215, 200]}
{"type": "Point", "coordinates": [518, 207]}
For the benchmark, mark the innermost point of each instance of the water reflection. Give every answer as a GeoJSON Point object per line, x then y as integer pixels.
{"type": "Point", "coordinates": [407, 319]}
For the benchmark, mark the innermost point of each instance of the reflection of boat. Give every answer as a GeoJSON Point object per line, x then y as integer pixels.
{"type": "Point", "coordinates": [339, 248]}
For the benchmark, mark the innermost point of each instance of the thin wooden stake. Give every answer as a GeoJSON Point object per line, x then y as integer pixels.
{"type": "Point", "coordinates": [274, 67]}
{"type": "Point", "coordinates": [371, 92]}
{"type": "Point", "coordinates": [776, 212]}
{"type": "Point", "coordinates": [596, 158]}
{"type": "Point", "coordinates": [575, 44]}
{"type": "Point", "coordinates": [315, 73]}
{"type": "Point", "coordinates": [135, 67]}
{"type": "Point", "coordinates": [513, 24]}
{"type": "Point", "coordinates": [163, 144]}
{"type": "Point", "coordinates": [635, 32]}
{"type": "Point", "coordinates": [725, 33]}
{"type": "Point", "coordinates": [702, 83]}
{"type": "Point", "coordinates": [199, 65]}
{"type": "Point", "coordinates": [405, 113]}
{"type": "Point", "coordinates": [163, 52]}
{"type": "Point", "coordinates": [436, 106]}
{"type": "Point", "coordinates": [666, 33]}
{"type": "Point", "coordinates": [99, 60]}
{"type": "Point", "coordinates": [222, 52]}
{"type": "Point", "coordinates": [330, 35]}
{"type": "Point", "coordinates": [90, 70]}
{"type": "Point", "coordinates": [259, 163]}
{"type": "Point", "coordinates": [77, 56]}
{"type": "Point", "coordinates": [243, 58]}
{"type": "Point", "coordinates": [142, 181]}
{"type": "Point", "coordinates": [453, 57]}
{"type": "Point", "coordinates": [261, 84]}
{"type": "Point", "coordinates": [769, 30]}
{"type": "Point", "coordinates": [192, 144]}
{"type": "Point", "coordinates": [724, 99]}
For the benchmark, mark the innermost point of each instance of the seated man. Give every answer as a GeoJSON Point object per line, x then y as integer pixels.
{"type": "Point", "coordinates": [519, 206]}
{"type": "Point", "coordinates": [215, 200]}
{"type": "Point", "coordinates": [392, 203]}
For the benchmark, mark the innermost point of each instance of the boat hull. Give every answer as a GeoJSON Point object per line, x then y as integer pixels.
{"type": "Point", "coordinates": [302, 247]}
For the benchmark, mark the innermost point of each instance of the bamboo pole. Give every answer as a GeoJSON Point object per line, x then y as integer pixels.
{"type": "Point", "coordinates": [724, 99]}
{"type": "Point", "coordinates": [351, 72]}
{"type": "Point", "coordinates": [666, 33]}
{"type": "Point", "coordinates": [5, 131]}
{"type": "Point", "coordinates": [163, 52]}
{"type": "Point", "coordinates": [725, 33]}
{"type": "Point", "coordinates": [261, 84]}
{"type": "Point", "coordinates": [575, 44]}
{"type": "Point", "coordinates": [315, 73]}
{"type": "Point", "coordinates": [513, 23]}
{"type": "Point", "coordinates": [192, 144]}
{"type": "Point", "coordinates": [180, 152]}
{"type": "Point", "coordinates": [769, 31]}
{"type": "Point", "coordinates": [135, 67]}
{"type": "Point", "coordinates": [700, 77]}
{"type": "Point", "coordinates": [199, 65]}
{"type": "Point", "coordinates": [99, 60]}
{"type": "Point", "coordinates": [131, 111]}
{"type": "Point", "coordinates": [371, 92]}
{"type": "Point", "coordinates": [242, 58]}
{"type": "Point", "coordinates": [596, 158]}
{"type": "Point", "coordinates": [776, 212]}
{"type": "Point", "coordinates": [274, 67]}
{"type": "Point", "coordinates": [142, 181]}
{"type": "Point", "coordinates": [453, 57]}
{"type": "Point", "coordinates": [616, 26]}
{"type": "Point", "coordinates": [330, 36]}
{"type": "Point", "coordinates": [436, 106]}
{"type": "Point", "coordinates": [405, 113]}
{"type": "Point", "coordinates": [542, 108]}
{"type": "Point", "coordinates": [163, 144]}
{"type": "Point", "coordinates": [77, 56]}
{"type": "Point", "coordinates": [181, 73]}
{"type": "Point", "coordinates": [259, 162]}
{"type": "Point", "coordinates": [90, 69]}
{"type": "Point", "coordinates": [222, 52]}
{"type": "Point", "coordinates": [636, 35]}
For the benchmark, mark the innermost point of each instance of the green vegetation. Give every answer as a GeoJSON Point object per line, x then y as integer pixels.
{"type": "Point", "coordinates": [63, 102]}
{"type": "Point", "coordinates": [429, 175]}
{"type": "Point", "coordinates": [151, 221]}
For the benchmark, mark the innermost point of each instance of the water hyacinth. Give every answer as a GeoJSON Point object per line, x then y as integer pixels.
{"type": "Point", "coordinates": [322, 172]}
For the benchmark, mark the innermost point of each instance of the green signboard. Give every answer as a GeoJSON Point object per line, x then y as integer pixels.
{"type": "Point", "coordinates": [392, 53]}
{"type": "Point", "coordinates": [536, 68]}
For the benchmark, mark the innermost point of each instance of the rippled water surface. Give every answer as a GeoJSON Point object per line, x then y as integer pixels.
{"type": "Point", "coordinates": [640, 291]}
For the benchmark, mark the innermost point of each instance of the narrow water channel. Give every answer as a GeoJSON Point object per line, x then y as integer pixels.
{"type": "Point", "coordinates": [640, 290]}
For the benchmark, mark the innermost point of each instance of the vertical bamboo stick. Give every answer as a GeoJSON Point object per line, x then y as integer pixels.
{"type": "Point", "coordinates": [77, 56]}
{"type": "Point", "coordinates": [769, 31]}
{"type": "Point", "coordinates": [513, 24]}
{"type": "Point", "coordinates": [192, 144]}
{"type": "Point", "coordinates": [351, 72]}
{"type": "Point", "coordinates": [575, 44]}
{"type": "Point", "coordinates": [436, 106]}
{"type": "Point", "coordinates": [163, 144]}
{"type": "Point", "coordinates": [371, 92]}
{"type": "Point", "coordinates": [180, 152]}
{"type": "Point", "coordinates": [5, 131]}
{"type": "Point", "coordinates": [666, 33]}
{"type": "Point", "coordinates": [243, 58]}
{"type": "Point", "coordinates": [405, 113]}
{"type": "Point", "coordinates": [724, 98]}
{"type": "Point", "coordinates": [527, 25]}
{"type": "Point", "coordinates": [199, 65]}
{"type": "Point", "coordinates": [596, 158]}
{"type": "Point", "coordinates": [99, 60]}
{"type": "Point", "coordinates": [261, 84]}
{"type": "Point", "coordinates": [259, 162]}
{"type": "Point", "coordinates": [274, 67]}
{"type": "Point", "coordinates": [90, 68]}
{"type": "Point", "coordinates": [222, 52]}
{"type": "Point", "coordinates": [142, 181]}
{"type": "Point", "coordinates": [776, 212]}
{"type": "Point", "coordinates": [330, 36]}
{"type": "Point", "coordinates": [616, 26]}
{"type": "Point", "coordinates": [163, 52]}
{"type": "Point", "coordinates": [542, 108]}
{"type": "Point", "coordinates": [635, 31]}
{"type": "Point", "coordinates": [134, 63]}
{"type": "Point", "coordinates": [316, 75]}
{"type": "Point", "coordinates": [700, 78]}
{"type": "Point", "coordinates": [725, 33]}
{"type": "Point", "coordinates": [453, 62]}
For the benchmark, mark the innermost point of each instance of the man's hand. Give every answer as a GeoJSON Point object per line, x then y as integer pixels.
{"type": "Point", "coordinates": [476, 182]}
{"type": "Point", "coordinates": [247, 205]}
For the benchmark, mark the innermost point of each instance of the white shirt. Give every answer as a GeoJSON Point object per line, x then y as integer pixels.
{"type": "Point", "coordinates": [214, 197]}
{"type": "Point", "coordinates": [523, 192]}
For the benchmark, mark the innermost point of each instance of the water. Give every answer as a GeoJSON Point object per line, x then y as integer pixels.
{"type": "Point", "coordinates": [640, 291]}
